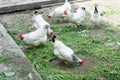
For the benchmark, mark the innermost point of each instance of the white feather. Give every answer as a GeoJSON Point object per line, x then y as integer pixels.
{"type": "Point", "coordinates": [95, 17]}
{"type": "Point", "coordinates": [59, 11]}
{"type": "Point", "coordinates": [63, 52]}
{"type": "Point", "coordinates": [39, 21]}
{"type": "Point", "coordinates": [76, 17]}
{"type": "Point", "coordinates": [36, 37]}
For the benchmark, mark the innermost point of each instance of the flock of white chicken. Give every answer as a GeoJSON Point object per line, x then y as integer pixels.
{"type": "Point", "coordinates": [43, 29]}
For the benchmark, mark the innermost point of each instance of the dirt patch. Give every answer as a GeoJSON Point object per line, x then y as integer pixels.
{"type": "Point", "coordinates": [89, 62]}
{"type": "Point", "coordinates": [98, 33]}
{"type": "Point", "coordinates": [3, 67]}
{"type": "Point", "coordinates": [117, 33]}
{"type": "Point", "coordinates": [25, 18]}
{"type": "Point", "coordinates": [17, 18]}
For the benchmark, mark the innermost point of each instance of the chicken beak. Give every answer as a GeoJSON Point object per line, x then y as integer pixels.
{"type": "Point", "coordinates": [65, 12]}
{"type": "Point", "coordinates": [48, 16]}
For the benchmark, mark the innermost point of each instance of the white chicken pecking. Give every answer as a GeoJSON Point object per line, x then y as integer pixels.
{"type": "Point", "coordinates": [59, 11]}
{"type": "Point", "coordinates": [76, 17]}
{"type": "Point", "coordinates": [95, 17]}
{"type": "Point", "coordinates": [39, 21]}
{"type": "Point", "coordinates": [37, 37]}
{"type": "Point", "coordinates": [64, 52]}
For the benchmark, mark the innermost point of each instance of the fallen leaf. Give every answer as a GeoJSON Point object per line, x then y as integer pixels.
{"type": "Point", "coordinates": [30, 76]}
{"type": "Point", "coordinates": [9, 74]}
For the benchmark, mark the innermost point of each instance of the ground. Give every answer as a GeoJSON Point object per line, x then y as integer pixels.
{"type": "Point", "coordinates": [99, 48]}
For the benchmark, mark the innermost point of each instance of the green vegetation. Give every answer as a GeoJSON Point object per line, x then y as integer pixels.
{"type": "Point", "coordinates": [2, 76]}
{"type": "Point", "coordinates": [3, 59]}
{"type": "Point", "coordinates": [106, 60]}
{"type": "Point", "coordinates": [110, 12]}
{"type": "Point", "coordinates": [101, 53]}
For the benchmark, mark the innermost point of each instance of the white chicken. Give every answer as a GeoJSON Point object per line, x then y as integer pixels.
{"type": "Point", "coordinates": [39, 21]}
{"type": "Point", "coordinates": [59, 11]}
{"type": "Point", "coordinates": [76, 17]}
{"type": "Point", "coordinates": [95, 17]}
{"type": "Point", "coordinates": [36, 37]}
{"type": "Point", "coordinates": [64, 52]}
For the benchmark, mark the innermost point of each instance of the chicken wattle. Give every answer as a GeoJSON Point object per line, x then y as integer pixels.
{"type": "Point", "coordinates": [21, 36]}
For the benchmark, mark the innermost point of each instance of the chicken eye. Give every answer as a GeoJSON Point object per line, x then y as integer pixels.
{"type": "Point", "coordinates": [46, 27]}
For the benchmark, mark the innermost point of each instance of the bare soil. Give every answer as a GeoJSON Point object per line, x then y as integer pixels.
{"type": "Point", "coordinates": [89, 62]}
{"type": "Point", "coordinates": [98, 33]}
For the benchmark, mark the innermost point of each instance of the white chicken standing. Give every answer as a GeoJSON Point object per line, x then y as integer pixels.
{"type": "Point", "coordinates": [39, 21]}
{"type": "Point", "coordinates": [59, 11]}
{"type": "Point", "coordinates": [95, 17]}
{"type": "Point", "coordinates": [36, 37]}
{"type": "Point", "coordinates": [64, 52]}
{"type": "Point", "coordinates": [76, 17]}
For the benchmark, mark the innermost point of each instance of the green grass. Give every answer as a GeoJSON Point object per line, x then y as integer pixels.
{"type": "Point", "coordinates": [2, 76]}
{"type": "Point", "coordinates": [110, 12]}
{"type": "Point", "coordinates": [107, 58]}
{"type": "Point", "coordinates": [3, 59]}
{"type": "Point", "coordinates": [107, 63]}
